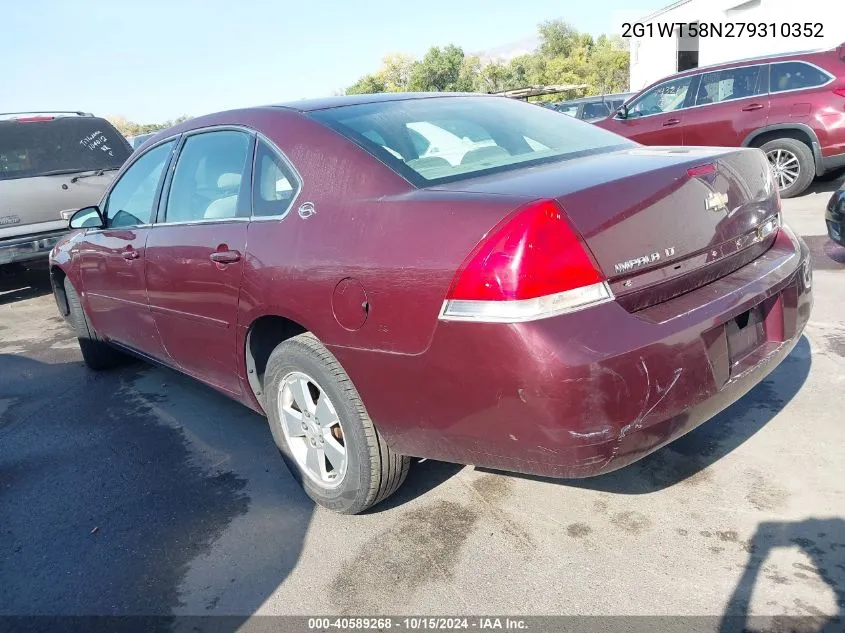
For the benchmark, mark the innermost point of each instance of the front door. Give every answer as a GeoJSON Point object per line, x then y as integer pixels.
{"type": "Point", "coordinates": [195, 254]}
{"type": "Point", "coordinates": [112, 258]}
{"type": "Point", "coordinates": [729, 105]}
{"type": "Point", "coordinates": [656, 117]}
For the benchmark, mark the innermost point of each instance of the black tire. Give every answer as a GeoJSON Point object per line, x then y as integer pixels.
{"type": "Point", "coordinates": [97, 354]}
{"type": "Point", "coordinates": [373, 470]}
{"type": "Point", "coordinates": [806, 164]}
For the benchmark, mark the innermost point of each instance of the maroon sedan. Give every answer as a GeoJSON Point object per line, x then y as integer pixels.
{"type": "Point", "coordinates": [464, 278]}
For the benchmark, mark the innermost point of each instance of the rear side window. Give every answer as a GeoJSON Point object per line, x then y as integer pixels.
{"type": "Point", "coordinates": [595, 110]}
{"type": "Point", "coordinates": [275, 186]}
{"type": "Point", "coordinates": [442, 139]}
{"type": "Point", "coordinates": [796, 75]}
{"type": "Point", "coordinates": [570, 110]}
{"type": "Point", "coordinates": [207, 181]}
{"type": "Point", "coordinates": [726, 85]}
{"type": "Point", "coordinates": [64, 145]}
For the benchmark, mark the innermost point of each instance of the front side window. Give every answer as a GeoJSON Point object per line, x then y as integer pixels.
{"type": "Point", "coordinates": [131, 200]}
{"type": "Point", "coordinates": [726, 85]}
{"type": "Point", "coordinates": [442, 139]}
{"type": "Point", "coordinates": [795, 76]}
{"type": "Point", "coordinates": [275, 185]}
{"type": "Point", "coordinates": [666, 97]}
{"type": "Point", "coordinates": [208, 179]}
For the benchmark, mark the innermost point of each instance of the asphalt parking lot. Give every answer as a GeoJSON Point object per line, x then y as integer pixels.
{"type": "Point", "coordinates": [139, 491]}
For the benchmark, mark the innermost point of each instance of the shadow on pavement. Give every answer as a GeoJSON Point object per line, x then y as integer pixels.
{"type": "Point", "coordinates": [18, 284]}
{"type": "Point", "coordinates": [828, 183]}
{"type": "Point", "coordinates": [823, 540]}
{"type": "Point", "coordinates": [703, 446]}
{"type": "Point", "coordinates": [117, 499]}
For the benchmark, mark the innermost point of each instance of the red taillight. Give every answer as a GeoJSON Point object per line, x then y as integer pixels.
{"type": "Point", "coordinates": [32, 119]}
{"type": "Point", "coordinates": [534, 254]}
{"type": "Point", "coordinates": [701, 170]}
{"type": "Point", "coordinates": [839, 91]}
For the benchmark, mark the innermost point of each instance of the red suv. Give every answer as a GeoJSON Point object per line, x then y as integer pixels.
{"type": "Point", "coordinates": [790, 106]}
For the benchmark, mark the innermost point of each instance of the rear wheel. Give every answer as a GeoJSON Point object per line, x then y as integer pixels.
{"type": "Point", "coordinates": [323, 431]}
{"type": "Point", "coordinates": [792, 165]}
{"type": "Point", "coordinates": [96, 353]}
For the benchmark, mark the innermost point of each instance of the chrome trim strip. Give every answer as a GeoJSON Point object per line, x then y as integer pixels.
{"type": "Point", "coordinates": [757, 96]}
{"type": "Point", "coordinates": [604, 294]}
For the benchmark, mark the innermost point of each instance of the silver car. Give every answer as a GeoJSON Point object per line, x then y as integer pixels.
{"type": "Point", "coordinates": [51, 164]}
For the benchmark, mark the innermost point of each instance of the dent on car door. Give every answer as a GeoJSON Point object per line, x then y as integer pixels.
{"type": "Point", "coordinates": [112, 258]}
{"type": "Point", "coordinates": [656, 117]}
{"type": "Point", "coordinates": [195, 254]}
{"type": "Point", "coordinates": [728, 105]}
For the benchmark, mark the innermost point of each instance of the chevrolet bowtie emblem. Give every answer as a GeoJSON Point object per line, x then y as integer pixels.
{"type": "Point", "coordinates": [716, 202]}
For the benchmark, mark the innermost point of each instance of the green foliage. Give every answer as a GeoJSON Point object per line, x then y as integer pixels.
{"type": "Point", "coordinates": [564, 56]}
{"type": "Point", "coordinates": [131, 128]}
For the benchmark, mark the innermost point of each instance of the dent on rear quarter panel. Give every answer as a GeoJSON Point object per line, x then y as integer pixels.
{"type": "Point", "coordinates": [402, 245]}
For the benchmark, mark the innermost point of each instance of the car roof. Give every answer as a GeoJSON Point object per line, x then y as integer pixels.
{"type": "Point", "coordinates": [324, 103]}
{"type": "Point", "coordinates": [608, 97]}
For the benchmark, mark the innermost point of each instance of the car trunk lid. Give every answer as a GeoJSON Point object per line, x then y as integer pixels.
{"type": "Point", "coordinates": [659, 221]}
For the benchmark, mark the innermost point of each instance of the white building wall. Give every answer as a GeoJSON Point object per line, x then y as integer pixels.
{"type": "Point", "coordinates": [654, 58]}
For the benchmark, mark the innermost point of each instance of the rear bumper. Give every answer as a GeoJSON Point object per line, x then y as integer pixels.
{"type": "Point", "coordinates": [587, 393]}
{"type": "Point", "coordinates": [835, 217]}
{"type": "Point", "coordinates": [29, 247]}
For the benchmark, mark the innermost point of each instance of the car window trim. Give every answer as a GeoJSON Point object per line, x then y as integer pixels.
{"type": "Point", "coordinates": [300, 183]}
{"type": "Point", "coordinates": [102, 205]}
{"type": "Point", "coordinates": [830, 80]}
{"type": "Point", "coordinates": [767, 92]}
{"type": "Point", "coordinates": [161, 209]}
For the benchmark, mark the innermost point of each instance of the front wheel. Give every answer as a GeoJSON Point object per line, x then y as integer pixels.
{"type": "Point", "coordinates": [96, 353]}
{"type": "Point", "coordinates": [792, 164]}
{"type": "Point", "coordinates": [323, 431]}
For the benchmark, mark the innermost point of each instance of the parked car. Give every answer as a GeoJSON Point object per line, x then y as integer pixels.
{"type": "Point", "coordinates": [138, 140]}
{"type": "Point", "coordinates": [592, 108]}
{"type": "Point", "coordinates": [50, 165]}
{"type": "Point", "coordinates": [835, 216]}
{"type": "Point", "coordinates": [790, 106]}
{"type": "Point", "coordinates": [562, 301]}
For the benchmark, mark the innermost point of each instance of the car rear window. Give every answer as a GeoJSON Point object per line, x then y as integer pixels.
{"type": "Point", "coordinates": [442, 139]}
{"type": "Point", "coordinates": [57, 146]}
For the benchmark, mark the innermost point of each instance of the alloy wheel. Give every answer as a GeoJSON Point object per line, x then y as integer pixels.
{"type": "Point", "coordinates": [312, 429]}
{"type": "Point", "coordinates": [785, 167]}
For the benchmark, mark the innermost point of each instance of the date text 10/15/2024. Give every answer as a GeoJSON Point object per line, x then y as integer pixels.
{"type": "Point", "coordinates": [417, 624]}
{"type": "Point", "coordinates": [723, 29]}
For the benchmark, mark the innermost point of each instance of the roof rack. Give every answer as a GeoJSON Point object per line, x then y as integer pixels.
{"type": "Point", "coordinates": [62, 112]}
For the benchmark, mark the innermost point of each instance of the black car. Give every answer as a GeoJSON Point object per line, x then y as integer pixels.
{"type": "Point", "coordinates": [592, 108]}
{"type": "Point", "coordinates": [835, 216]}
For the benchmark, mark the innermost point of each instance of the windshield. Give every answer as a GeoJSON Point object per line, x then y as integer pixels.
{"type": "Point", "coordinates": [429, 141]}
{"type": "Point", "coordinates": [61, 145]}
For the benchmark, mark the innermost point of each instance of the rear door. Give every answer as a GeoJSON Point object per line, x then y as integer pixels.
{"type": "Point", "coordinates": [112, 259]}
{"type": "Point", "coordinates": [656, 116]}
{"type": "Point", "coordinates": [729, 105]}
{"type": "Point", "coordinates": [195, 253]}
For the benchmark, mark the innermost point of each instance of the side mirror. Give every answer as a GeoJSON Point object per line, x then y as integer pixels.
{"type": "Point", "coordinates": [87, 218]}
{"type": "Point", "coordinates": [622, 113]}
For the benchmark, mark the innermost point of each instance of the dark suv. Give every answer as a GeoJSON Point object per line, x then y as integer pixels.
{"type": "Point", "coordinates": [790, 106]}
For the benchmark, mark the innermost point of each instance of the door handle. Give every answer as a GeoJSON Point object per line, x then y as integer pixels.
{"type": "Point", "coordinates": [225, 257]}
{"type": "Point", "coordinates": [753, 106]}
{"type": "Point", "coordinates": [131, 254]}
{"type": "Point", "coordinates": [671, 122]}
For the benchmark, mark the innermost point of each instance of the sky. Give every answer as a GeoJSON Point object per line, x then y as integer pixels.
{"type": "Point", "coordinates": [153, 60]}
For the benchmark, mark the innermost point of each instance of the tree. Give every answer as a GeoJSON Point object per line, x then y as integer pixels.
{"type": "Point", "coordinates": [439, 70]}
{"type": "Point", "coordinates": [366, 85]}
{"type": "Point", "coordinates": [558, 38]}
{"type": "Point", "coordinates": [396, 72]}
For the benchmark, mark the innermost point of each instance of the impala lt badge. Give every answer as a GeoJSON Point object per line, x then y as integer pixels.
{"type": "Point", "coordinates": [716, 202]}
{"type": "Point", "coordinates": [643, 260]}
{"type": "Point", "coordinates": [9, 219]}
